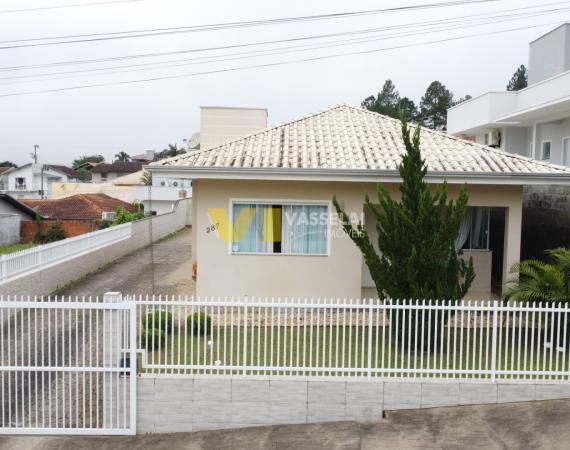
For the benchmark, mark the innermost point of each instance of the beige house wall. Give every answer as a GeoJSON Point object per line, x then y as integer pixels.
{"type": "Point", "coordinates": [339, 274]}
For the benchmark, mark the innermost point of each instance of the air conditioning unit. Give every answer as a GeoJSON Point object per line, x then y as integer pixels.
{"type": "Point", "coordinates": [109, 215]}
{"type": "Point", "coordinates": [493, 138]}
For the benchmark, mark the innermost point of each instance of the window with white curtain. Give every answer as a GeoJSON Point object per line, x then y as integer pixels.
{"type": "Point", "coordinates": [284, 228]}
{"type": "Point", "coordinates": [474, 230]}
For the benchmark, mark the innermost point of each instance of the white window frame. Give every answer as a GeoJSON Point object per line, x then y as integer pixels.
{"type": "Point", "coordinates": [281, 202]}
{"type": "Point", "coordinates": [564, 163]}
{"type": "Point", "coordinates": [542, 158]}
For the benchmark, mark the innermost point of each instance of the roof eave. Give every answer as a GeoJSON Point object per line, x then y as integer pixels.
{"type": "Point", "coordinates": [358, 175]}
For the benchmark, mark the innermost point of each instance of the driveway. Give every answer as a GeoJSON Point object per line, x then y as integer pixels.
{"type": "Point", "coordinates": [133, 274]}
{"type": "Point", "coordinates": [516, 426]}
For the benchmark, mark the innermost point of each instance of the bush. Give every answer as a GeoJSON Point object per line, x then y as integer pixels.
{"type": "Point", "coordinates": [199, 323]}
{"type": "Point", "coordinates": [153, 338]}
{"type": "Point", "coordinates": [52, 234]}
{"type": "Point", "coordinates": [124, 216]}
{"type": "Point", "coordinates": [161, 320]}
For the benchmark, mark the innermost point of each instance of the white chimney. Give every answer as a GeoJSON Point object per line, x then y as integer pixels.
{"type": "Point", "coordinates": [222, 124]}
{"type": "Point", "coordinates": [149, 155]}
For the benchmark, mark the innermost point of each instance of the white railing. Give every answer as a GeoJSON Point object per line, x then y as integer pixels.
{"type": "Point", "coordinates": [36, 258]}
{"type": "Point", "coordinates": [470, 340]}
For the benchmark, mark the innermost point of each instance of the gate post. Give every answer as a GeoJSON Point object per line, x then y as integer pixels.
{"type": "Point", "coordinates": [112, 343]}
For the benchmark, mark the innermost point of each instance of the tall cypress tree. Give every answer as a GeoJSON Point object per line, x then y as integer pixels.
{"type": "Point", "coordinates": [417, 258]}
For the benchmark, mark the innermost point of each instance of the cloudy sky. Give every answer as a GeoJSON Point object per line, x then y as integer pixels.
{"type": "Point", "coordinates": [133, 117]}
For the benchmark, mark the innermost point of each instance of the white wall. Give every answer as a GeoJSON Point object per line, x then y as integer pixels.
{"type": "Point", "coordinates": [549, 55]}
{"type": "Point", "coordinates": [219, 124]}
{"type": "Point", "coordinates": [554, 132]}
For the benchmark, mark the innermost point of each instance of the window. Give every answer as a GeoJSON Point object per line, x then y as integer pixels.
{"type": "Point", "coordinates": [546, 150]}
{"type": "Point", "coordinates": [474, 230]}
{"type": "Point", "coordinates": [104, 176]}
{"type": "Point", "coordinates": [566, 151]}
{"type": "Point", "coordinates": [291, 229]}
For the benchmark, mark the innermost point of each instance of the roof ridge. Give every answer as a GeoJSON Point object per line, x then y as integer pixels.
{"type": "Point", "coordinates": [256, 133]}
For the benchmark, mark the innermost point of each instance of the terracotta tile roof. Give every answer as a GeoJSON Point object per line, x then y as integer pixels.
{"type": "Point", "coordinates": [353, 138]}
{"type": "Point", "coordinates": [67, 170]}
{"type": "Point", "coordinates": [118, 167]}
{"type": "Point", "coordinates": [78, 207]}
{"type": "Point", "coordinates": [4, 169]}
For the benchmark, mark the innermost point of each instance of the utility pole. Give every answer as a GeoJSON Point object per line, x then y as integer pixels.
{"type": "Point", "coordinates": [35, 154]}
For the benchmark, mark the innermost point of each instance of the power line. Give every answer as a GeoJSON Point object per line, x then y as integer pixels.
{"type": "Point", "coordinates": [227, 47]}
{"type": "Point", "coordinates": [435, 26]}
{"type": "Point", "coordinates": [273, 64]}
{"type": "Point", "coordinates": [83, 38]}
{"type": "Point", "coordinates": [77, 5]}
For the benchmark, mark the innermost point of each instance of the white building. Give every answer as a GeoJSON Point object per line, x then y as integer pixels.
{"type": "Point", "coordinates": [33, 180]}
{"type": "Point", "coordinates": [534, 121]}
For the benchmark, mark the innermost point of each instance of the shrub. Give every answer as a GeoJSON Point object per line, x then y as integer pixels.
{"type": "Point", "coordinates": [153, 338]}
{"type": "Point", "coordinates": [52, 234]}
{"type": "Point", "coordinates": [161, 320]}
{"type": "Point", "coordinates": [199, 323]}
{"type": "Point", "coordinates": [124, 216]}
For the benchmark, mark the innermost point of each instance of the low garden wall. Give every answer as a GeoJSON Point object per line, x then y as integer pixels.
{"type": "Point", "coordinates": [48, 280]}
{"type": "Point", "coordinates": [183, 404]}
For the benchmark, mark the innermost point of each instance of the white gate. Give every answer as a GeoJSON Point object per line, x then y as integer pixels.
{"type": "Point", "coordinates": [68, 366]}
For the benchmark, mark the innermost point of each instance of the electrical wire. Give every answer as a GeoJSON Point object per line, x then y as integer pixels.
{"type": "Point", "coordinates": [76, 5]}
{"type": "Point", "coordinates": [273, 64]}
{"type": "Point", "coordinates": [83, 38]}
{"type": "Point", "coordinates": [258, 53]}
{"type": "Point", "coordinates": [226, 47]}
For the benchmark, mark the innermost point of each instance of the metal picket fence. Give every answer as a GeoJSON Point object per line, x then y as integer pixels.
{"type": "Point", "coordinates": [25, 261]}
{"type": "Point", "coordinates": [471, 340]}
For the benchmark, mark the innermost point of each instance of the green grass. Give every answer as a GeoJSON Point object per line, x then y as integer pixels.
{"type": "Point", "coordinates": [5, 249]}
{"type": "Point", "coordinates": [292, 349]}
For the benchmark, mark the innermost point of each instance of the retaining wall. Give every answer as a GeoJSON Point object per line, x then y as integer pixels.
{"type": "Point", "coordinates": [183, 404]}
{"type": "Point", "coordinates": [46, 281]}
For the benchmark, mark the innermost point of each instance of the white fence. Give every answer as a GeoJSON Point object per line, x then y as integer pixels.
{"type": "Point", "coordinates": [26, 261]}
{"type": "Point", "coordinates": [383, 339]}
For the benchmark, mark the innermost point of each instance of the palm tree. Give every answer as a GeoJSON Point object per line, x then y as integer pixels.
{"type": "Point", "coordinates": [122, 156]}
{"type": "Point", "coordinates": [540, 281]}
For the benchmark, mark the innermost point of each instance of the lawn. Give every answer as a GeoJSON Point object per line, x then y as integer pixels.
{"type": "Point", "coordinates": [344, 350]}
{"type": "Point", "coordinates": [5, 249]}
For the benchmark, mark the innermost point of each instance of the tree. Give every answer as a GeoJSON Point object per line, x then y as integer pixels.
{"type": "Point", "coordinates": [417, 258]}
{"type": "Point", "coordinates": [122, 156]}
{"type": "Point", "coordinates": [519, 80]}
{"type": "Point", "coordinates": [169, 152]}
{"type": "Point", "coordinates": [87, 158]}
{"type": "Point", "coordinates": [540, 281]}
{"type": "Point", "coordinates": [434, 105]}
{"type": "Point", "coordinates": [407, 108]}
{"type": "Point", "coordinates": [386, 102]}
{"type": "Point", "coordinates": [7, 164]}
{"type": "Point", "coordinates": [462, 99]}
{"type": "Point", "coordinates": [146, 178]}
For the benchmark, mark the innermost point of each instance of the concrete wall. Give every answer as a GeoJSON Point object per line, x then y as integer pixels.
{"type": "Point", "coordinates": [219, 124]}
{"type": "Point", "coordinates": [46, 281]}
{"type": "Point", "coordinates": [183, 404]}
{"type": "Point", "coordinates": [337, 275]}
{"type": "Point", "coordinates": [549, 55]}
{"type": "Point", "coordinates": [9, 229]}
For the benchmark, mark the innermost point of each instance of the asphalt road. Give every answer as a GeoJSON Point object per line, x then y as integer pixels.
{"type": "Point", "coordinates": [537, 425]}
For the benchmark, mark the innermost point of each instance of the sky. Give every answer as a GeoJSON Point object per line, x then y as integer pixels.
{"type": "Point", "coordinates": [134, 117]}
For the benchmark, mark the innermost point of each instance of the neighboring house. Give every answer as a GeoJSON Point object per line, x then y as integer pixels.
{"type": "Point", "coordinates": [105, 171]}
{"type": "Point", "coordinates": [534, 121]}
{"type": "Point", "coordinates": [34, 180]}
{"type": "Point", "coordinates": [270, 182]}
{"type": "Point", "coordinates": [78, 214]}
{"type": "Point", "coordinates": [145, 158]}
{"type": "Point", "coordinates": [161, 198]}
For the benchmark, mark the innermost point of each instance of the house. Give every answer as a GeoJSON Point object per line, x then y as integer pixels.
{"type": "Point", "coordinates": [145, 158]}
{"type": "Point", "coordinates": [252, 197]}
{"type": "Point", "coordinates": [109, 171]}
{"type": "Point", "coordinates": [78, 214]}
{"type": "Point", "coordinates": [34, 180]}
{"type": "Point", "coordinates": [534, 121]}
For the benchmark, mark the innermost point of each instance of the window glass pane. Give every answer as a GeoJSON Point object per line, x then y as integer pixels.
{"type": "Point", "coordinates": [479, 228]}
{"type": "Point", "coordinates": [546, 150]}
{"type": "Point", "coordinates": [253, 228]}
{"type": "Point", "coordinates": [305, 229]}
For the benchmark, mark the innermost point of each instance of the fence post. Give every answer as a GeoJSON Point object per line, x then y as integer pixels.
{"type": "Point", "coordinates": [370, 338]}
{"type": "Point", "coordinates": [3, 268]}
{"type": "Point", "coordinates": [245, 328]}
{"type": "Point", "coordinates": [494, 340]}
{"type": "Point", "coordinates": [112, 333]}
